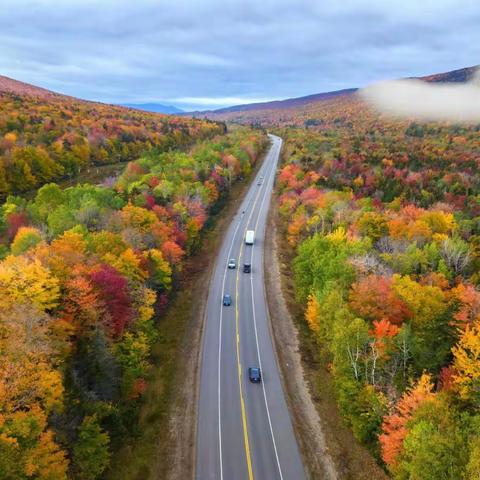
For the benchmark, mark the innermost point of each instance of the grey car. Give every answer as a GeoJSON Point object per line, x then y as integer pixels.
{"type": "Point", "coordinates": [254, 374]}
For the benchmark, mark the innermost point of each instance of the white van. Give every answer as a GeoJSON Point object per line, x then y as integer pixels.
{"type": "Point", "coordinates": [249, 237]}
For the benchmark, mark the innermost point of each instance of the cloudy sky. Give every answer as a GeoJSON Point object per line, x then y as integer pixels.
{"type": "Point", "coordinates": [214, 53]}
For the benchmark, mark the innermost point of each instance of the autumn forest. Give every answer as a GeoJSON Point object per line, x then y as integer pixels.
{"type": "Point", "coordinates": [86, 271]}
{"type": "Point", "coordinates": [384, 216]}
{"type": "Point", "coordinates": [382, 220]}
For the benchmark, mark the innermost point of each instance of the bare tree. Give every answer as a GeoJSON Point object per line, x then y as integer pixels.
{"type": "Point", "coordinates": [456, 253]}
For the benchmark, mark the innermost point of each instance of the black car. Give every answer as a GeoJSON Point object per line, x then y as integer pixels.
{"type": "Point", "coordinates": [247, 268]}
{"type": "Point", "coordinates": [227, 300]}
{"type": "Point", "coordinates": [254, 374]}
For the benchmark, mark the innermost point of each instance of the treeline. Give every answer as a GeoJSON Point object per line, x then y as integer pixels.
{"type": "Point", "coordinates": [83, 272]}
{"type": "Point", "coordinates": [387, 238]}
{"type": "Point", "coordinates": [44, 139]}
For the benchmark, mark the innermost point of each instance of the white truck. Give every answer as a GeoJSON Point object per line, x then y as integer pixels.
{"type": "Point", "coordinates": [249, 237]}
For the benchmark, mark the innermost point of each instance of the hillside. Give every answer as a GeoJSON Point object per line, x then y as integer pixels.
{"type": "Point", "coordinates": [9, 85]}
{"type": "Point", "coordinates": [282, 104]}
{"type": "Point", "coordinates": [382, 219]}
{"type": "Point", "coordinates": [287, 112]}
{"type": "Point", "coordinates": [46, 136]}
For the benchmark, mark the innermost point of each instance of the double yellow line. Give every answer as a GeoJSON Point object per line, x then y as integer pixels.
{"type": "Point", "coordinates": [239, 371]}
{"type": "Point", "coordinates": [239, 366]}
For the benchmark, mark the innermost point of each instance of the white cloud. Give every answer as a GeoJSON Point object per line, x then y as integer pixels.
{"type": "Point", "coordinates": [427, 101]}
{"type": "Point", "coordinates": [232, 51]}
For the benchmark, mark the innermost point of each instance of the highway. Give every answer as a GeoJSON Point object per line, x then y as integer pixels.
{"type": "Point", "coordinates": [244, 429]}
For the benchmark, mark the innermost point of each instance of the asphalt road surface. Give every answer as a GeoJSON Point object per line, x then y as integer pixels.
{"type": "Point", "coordinates": [244, 429]}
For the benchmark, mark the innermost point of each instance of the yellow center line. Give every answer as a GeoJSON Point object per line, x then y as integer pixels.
{"type": "Point", "coordinates": [239, 366]}
{"type": "Point", "coordinates": [239, 369]}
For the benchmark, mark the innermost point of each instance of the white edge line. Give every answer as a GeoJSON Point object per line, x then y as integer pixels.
{"type": "Point", "coordinates": [220, 353]}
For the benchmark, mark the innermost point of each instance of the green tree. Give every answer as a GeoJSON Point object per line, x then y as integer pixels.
{"type": "Point", "coordinates": [91, 454]}
{"type": "Point", "coordinates": [434, 448]}
{"type": "Point", "coordinates": [322, 259]}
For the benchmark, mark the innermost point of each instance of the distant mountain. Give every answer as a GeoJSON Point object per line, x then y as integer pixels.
{"type": "Point", "coordinates": [461, 75]}
{"type": "Point", "coordinates": [283, 111]}
{"type": "Point", "coordinates": [154, 107]}
{"type": "Point", "coordinates": [274, 105]}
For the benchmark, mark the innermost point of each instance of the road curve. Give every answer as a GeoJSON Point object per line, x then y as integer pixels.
{"type": "Point", "coordinates": [244, 429]}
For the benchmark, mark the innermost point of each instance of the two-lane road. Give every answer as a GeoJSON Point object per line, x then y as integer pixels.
{"type": "Point", "coordinates": [244, 429]}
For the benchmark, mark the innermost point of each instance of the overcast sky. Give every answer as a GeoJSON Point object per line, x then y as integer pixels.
{"type": "Point", "coordinates": [214, 53]}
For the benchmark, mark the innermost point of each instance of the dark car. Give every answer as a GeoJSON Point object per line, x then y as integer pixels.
{"type": "Point", "coordinates": [227, 300]}
{"type": "Point", "coordinates": [254, 374]}
{"type": "Point", "coordinates": [247, 268]}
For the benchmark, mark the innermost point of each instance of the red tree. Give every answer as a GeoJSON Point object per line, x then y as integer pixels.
{"type": "Point", "coordinates": [113, 291]}
{"type": "Point", "coordinates": [373, 298]}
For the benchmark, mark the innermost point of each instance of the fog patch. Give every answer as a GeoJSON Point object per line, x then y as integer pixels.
{"type": "Point", "coordinates": [455, 102]}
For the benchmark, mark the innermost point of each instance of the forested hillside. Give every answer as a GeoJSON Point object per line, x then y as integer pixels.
{"type": "Point", "coordinates": [385, 217]}
{"type": "Point", "coordinates": [85, 269]}
{"type": "Point", "coordinates": [309, 110]}
{"type": "Point", "coordinates": [45, 136]}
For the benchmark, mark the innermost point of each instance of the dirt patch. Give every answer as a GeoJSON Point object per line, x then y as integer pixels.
{"type": "Point", "coordinates": [328, 447]}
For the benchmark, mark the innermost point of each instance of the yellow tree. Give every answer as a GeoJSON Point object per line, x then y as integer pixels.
{"type": "Point", "coordinates": [312, 313]}
{"type": "Point", "coordinates": [26, 238]}
{"type": "Point", "coordinates": [467, 363]}
{"type": "Point", "coordinates": [23, 280]}
{"type": "Point", "coordinates": [30, 389]}
{"type": "Point", "coordinates": [129, 264]}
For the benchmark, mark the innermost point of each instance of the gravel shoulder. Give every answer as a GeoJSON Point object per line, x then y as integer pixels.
{"type": "Point", "coordinates": [184, 405]}
{"type": "Point", "coordinates": [328, 447]}
{"type": "Point", "coordinates": [307, 425]}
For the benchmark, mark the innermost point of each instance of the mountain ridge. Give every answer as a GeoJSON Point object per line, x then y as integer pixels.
{"type": "Point", "coordinates": [460, 75]}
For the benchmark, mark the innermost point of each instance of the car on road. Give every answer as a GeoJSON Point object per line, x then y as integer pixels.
{"type": "Point", "coordinates": [232, 263]}
{"type": "Point", "coordinates": [247, 267]}
{"type": "Point", "coordinates": [259, 182]}
{"type": "Point", "coordinates": [254, 374]}
{"type": "Point", "coordinates": [249, 237]}
{"type": "Point", "coordinates": [227, 300]}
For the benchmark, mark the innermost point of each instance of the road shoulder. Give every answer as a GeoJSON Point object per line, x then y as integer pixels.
{"type": "Point", "coordinates": [306, 421]}
{"type": "Point", "coordinates": [328, 447]}
{"type": "Point", "coordinates": [184, 405]}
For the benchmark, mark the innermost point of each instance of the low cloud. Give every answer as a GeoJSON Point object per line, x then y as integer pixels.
{"type": "Point", "coordinates": [427, 101]}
